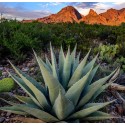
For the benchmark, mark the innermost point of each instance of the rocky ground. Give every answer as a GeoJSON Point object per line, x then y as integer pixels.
{"type": "Point", "coordinates": [30, 67]}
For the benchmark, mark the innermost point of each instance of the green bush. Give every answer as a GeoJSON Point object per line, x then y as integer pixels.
{"type": "Point", "coordinates": [108, 52]}
{"type": "Point", "coordinates": [6, 84]}
{"type": "Point", "coordinates": [121, 62]}
{"type": "Point", "coordinates": [17, 39]}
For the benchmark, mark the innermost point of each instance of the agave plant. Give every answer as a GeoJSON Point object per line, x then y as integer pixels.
{"type": "Point", "coordinates": [69, 91]}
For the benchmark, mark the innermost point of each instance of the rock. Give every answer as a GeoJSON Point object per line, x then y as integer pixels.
{"type": "Point", "coordinates": [1, 68]}
{"type": "Point", "coordinates": [119, 101]}
{"type": "Point", "coordinates": [20, 91]}
{"type": "Point", "coordinates": [32, 69]}
{"type": "Point", "coordinates": [104, 64]}
{"type": "Point", "coordinates": [121, 79]}
{"type": "Point", "coordinates": [119, 109]}
{"type": "Point", "coordinates": [2, 119]}
{"type": "Point", "coordinates": [10, 94]}
{"type": "Point", "coordinates": [7, 119]}
{"type": "Point", "coordinates": [4, 74]}
{"type": "Point", "coordinates": [8, 114]}
{"type": "Point", "coordinates": [25, 69]}
{"type": "Point", "coordinates": [30, 64]}
{"type": "Point", "coordinates": [2, 114]}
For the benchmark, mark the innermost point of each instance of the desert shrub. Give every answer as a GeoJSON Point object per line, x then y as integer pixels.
{"type": "Point", "coordinates": [120, 61]}
{"type": "Point", "coordinates": [18, 38]}
{"type": "Point", "coordinates": [6, 84]}
{"type": "Point", "coordinates": [108, 52]}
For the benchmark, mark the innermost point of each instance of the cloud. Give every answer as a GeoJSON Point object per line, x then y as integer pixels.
{"type": "Point", "coordinates": [55, 3]}
{"type": "Point", "coordinates": [99, 7]}
{"type": "Point", "coordinates": [21, 13]}
{"type": "Point", "coordinates": [48, 4]}
{"type": "Point", "coordinates": [119, 5]}
{"type": "Point", "coordinates": [83, 5]}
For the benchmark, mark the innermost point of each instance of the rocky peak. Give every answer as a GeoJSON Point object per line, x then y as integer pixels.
{"type": "Point", "coordinates": [92, 13]}
{"type": "Point", "coordinates": [111, 10]}
{"type": "Point", "coordinates": [68, 9]}
{"type": "Point", "coordinates": [70, 14]}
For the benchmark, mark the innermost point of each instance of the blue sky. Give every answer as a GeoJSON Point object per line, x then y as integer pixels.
{"type": "Point", "coordinates": [33, 10]}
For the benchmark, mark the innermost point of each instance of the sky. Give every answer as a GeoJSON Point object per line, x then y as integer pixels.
{"type": "Point", "coordinates": [33, 10]}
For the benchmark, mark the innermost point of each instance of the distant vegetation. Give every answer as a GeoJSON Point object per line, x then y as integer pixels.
{"type": "Point", "coordinates": [17, 39]}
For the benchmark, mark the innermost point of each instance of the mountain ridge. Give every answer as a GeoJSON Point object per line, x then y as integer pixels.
{"type": "Point", "coordinates": [70, 14]}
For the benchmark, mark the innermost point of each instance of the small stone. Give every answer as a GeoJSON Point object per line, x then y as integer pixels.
{"type": "Point", "coordinates": [1, 68]}
{"type": "Point", "coordinates": [20, 91]}
{"type": "Point", "coordinates": [2, 114]}
{"type": "Point", "coordinates": [30, 64]}
{"type": "Point", "coordinates": [8, 114]}
{"type": "Point", "coordinates": [10, 94]}
{"type": "Point", "coordinates": [25, 69]}
{"type": "Point", "coordinates": [7, 120]}
{"type": "Point", "coordinates": [2, 119]}
{"type": "Point", "coordinates": [120, 109]}
{"type": "Point", "coordinates": [4, 74]}
{"type": "Point", "coordinates": [119, 101]}
{"type": "Point", "coordinates": [121, 79]}
{"type": "Point", "coordinates": [32, 69]}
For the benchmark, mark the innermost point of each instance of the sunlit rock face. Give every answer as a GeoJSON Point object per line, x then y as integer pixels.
{"type": "Point", "coordinates": [70, 14]}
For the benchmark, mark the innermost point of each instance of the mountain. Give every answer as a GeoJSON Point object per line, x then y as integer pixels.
{"type": "Point", "coordinates": [93, 18]}
{"type": "Point", "coordinates": [114, 17]}
{"type": "Point", "coordinates": [67, 14]}
{"type": "Point", "coordinates": [70, 14]}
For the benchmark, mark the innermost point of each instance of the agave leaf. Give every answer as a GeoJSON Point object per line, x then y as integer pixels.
{"type": "Point", "coordinates": [14, 104]}
{"type": "Point", "coordinates": [88, 105]}
{"type": "Point", "coordinates": [87, 111]}
{"type": "Point", "coordinates": [51, 82]}
{"type": "Point", "coordinates": [61, 63]}
{"type": "Point", "coordinates": [97, 82]}
{"type": "Point", "coordinates": [92, 74]}
{"type": "Point", "coordinates": [73, 54]}
{"type": "Point", "coordinates": [38, 94]}
{"type": "Point", "coordinates": [89, 65]}
{"type": "Point", "coordinates": [21, 83]}
{"type": "Point", "coordinates": [48, 64]}
{"type": "Point", "coordinates": [62, 106]}
{"type": "Point", "coordinates": [41, 61]}
{"type": "Point", "coordinates": [92, 90]}
{"type": "Point", "coordinates": [114, 77]}
{"type": "Point", "coordinates": [102, 79]}
{"type": "Point", "coordinates": [98, 118]}
{"type": "Point", "coordinates": [78, 72]}
{"type": "Point", "coordinates": [100, 91]}
{"type": "Point", "coordinates": [76, 63]}
{"type": "Point", "coordinates": [30, 79]}
{"type": "Point", "coordinates": [98, 115]}
{"type": "Point", "coordinates": [40, 114]}
{"type": "Point", "coordinates": [54, 63]}
{"type": "Point", "coordinates": [24, 99]}
{"type": "Point", "coordinates": [13, 109]}
{"type": "Point", "coordinates": [76, 89]}
{"type": "Point", "coordinates": [8, 102]}
{"type": "Point", "coordinates": [66, 69]}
